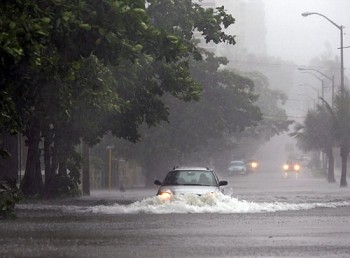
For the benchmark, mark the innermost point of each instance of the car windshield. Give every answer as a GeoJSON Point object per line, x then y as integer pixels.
{"type": "Point", "coordinates": [190, 177]}
{"type": "Point", "coordinates": [237, 163]}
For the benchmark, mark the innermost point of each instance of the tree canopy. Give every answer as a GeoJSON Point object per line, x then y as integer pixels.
{"type": "Point", "coordinates": [317, 134]}
{"type": "Point", "coordinates": [73, 70]}
{"type": "Point", "coordinates": [211, 130]}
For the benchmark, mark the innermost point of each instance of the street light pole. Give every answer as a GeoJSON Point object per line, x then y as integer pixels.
{"type": "Point", "coordinates": [340, 27]}
{"type": "Point", "coordinates": [321, 80]}
{"type": "Point", "coordinates": [341, 61]}
{"type": "Point", "coordinates": [317, 91]}
{"type": "Point", "coordinates": [325, 75]}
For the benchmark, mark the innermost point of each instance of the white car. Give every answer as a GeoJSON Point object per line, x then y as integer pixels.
{"type": "Point", "coordinates": [189, 180]}
{"type": "Point", "coordinates": [237, 167]}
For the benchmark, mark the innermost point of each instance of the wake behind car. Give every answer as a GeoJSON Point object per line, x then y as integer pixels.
{"type": "Point", "coordinates": [189, 180]}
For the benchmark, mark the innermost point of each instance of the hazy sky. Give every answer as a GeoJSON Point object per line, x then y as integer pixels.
{"type": "Point", "coordinates": [293, 37]}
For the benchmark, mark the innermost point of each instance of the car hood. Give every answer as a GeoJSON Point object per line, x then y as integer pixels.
{"type": "Point", "coordinates": [184, 189]}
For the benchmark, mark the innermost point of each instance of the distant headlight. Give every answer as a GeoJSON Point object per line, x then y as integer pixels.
{"type": "Point", "coordinates": [254, 164]}
{"type": "Point", "coordinates": [296, 167]}
{"type": "Point", "coordinates": [285, 166]}
{"type": "Point", "coordinates": [165, 196]}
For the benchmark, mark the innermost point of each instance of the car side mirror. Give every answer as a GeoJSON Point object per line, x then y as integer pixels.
{"type": "Point", "coordinates": [221, 183]}
{"type": "Point", "coordinates": [157, 182]}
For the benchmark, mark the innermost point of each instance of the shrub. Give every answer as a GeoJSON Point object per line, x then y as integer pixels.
{"type": "Point", "coordinates": [9, 196]}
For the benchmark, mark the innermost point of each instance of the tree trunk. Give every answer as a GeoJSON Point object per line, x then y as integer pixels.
{"type": "Point", "coordinates": [330, 156]}
{"type": "Point", "coordinates": [344, 152]}
{"type": "Point", "coordinates": [51, 165]}
{"type": "Point", "coordinates": [86, 168]}
{"type": "Point", "coordinates": [62, 170]}
{"type": "Point", "coordinates": [32, 183]}
{"type": "Point", "coordinates": [47, 163]}
{"type": "Point", "coordinates": [9, 165]}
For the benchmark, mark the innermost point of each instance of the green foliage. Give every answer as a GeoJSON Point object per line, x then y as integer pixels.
{"type": "Point", "coordinates": [341, 115]}
{"type": "Point", "coordinates": [270, 102]}
{"type": "Point", "coordinates": [227, 117]}
{"type": "Point", "coordinates": [9, 196]}
{"type": "Point", "coordinates": [76, 70]}
{"type": "Point", "coordinates": [198, 131]}
{"type": "Point", "coordinates": [321, 172]}
{"type": "Point", "coordinates": [4, 153]}
{"type": "Point", "coordinates": [341, 124]}
{"type": "Point", "coordinates": [74, 167]}
{"type": "Point", "coordinates": [67, 184]}
{"type": "Point", "coordinates": [182, 18]}
{"type": "Point", "coordinates": [317, 132]}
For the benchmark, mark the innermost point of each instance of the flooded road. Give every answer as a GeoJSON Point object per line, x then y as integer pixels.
{"type": "Point", "coordinates": [261, 214]}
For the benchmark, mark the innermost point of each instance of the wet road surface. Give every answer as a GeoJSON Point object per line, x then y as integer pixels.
{"type": "Point", "coordinates": [317, 232]}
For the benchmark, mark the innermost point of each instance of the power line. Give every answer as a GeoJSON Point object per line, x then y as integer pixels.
{"type": "Point", "coordinates": [278, 65]}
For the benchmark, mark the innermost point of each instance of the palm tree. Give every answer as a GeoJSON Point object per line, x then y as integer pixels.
{"type": "Point", "coordinates": [317, 134]}
{"type": "Point", "coordinates": [341, 123]}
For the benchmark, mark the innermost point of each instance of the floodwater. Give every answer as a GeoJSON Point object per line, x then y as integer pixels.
{"type": "Point", "coordinates": [210, 203]}
{"type": "Point", "coordinates": [254, 193]}
{"type": "Point", "coordinates": [261, 214]}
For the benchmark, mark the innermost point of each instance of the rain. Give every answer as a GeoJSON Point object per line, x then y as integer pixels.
{"type": "Point", "coordinates": [101, 100]}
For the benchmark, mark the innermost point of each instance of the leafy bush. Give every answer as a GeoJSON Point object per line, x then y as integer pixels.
{"type": "Point", "coordinates": [321, 172]}
{"type": "Point", "coordinates": [68, 185]}
{"type": "Point", "coordinates": [9, 196]}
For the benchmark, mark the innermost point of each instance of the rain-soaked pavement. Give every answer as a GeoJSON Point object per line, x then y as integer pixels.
{"type": "Point", "coordinates": [261, 215]}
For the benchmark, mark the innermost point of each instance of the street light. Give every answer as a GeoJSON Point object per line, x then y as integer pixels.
{"type": "Point", "coordinates": [320, 79]}
{"type": "Point", "coordinates": [328, 77]}
{"type": "Point", "coordinates": [340, 27]}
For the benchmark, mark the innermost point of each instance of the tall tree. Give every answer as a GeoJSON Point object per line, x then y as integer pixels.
{"type": "Point", "coordinates": [21, 41]}
{"type": "Point", "coordinates": [274, 117]}
{"type": "Point", "coordinates": [49, 61]}
{"type": "Point", "coordinates": [317, 133]}
{"type": "Point", "coordinates": [341, 123]}
{"type": "Point", "coordinates": [204, 131]}
{"type": "Point", "coordinates": [225, 107]}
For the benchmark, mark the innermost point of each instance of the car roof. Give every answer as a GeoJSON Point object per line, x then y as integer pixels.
{"type": "Point", "coordinates": [176, 168]}
{"type": "Point", "coordinates": [237, 161]}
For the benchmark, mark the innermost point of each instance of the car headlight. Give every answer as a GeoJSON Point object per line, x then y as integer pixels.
{"type": "Point", "coordinates": [296, 167]}
{"type": "Point", "coordinates": [285, 166]}
{"type": "Point", "coordinates": [165, 196]}
{"type": "Point", "coordinates": [254, 165]}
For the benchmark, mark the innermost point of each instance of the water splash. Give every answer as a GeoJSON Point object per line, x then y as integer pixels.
{"type": "Point", "coordinates": [211, 203]}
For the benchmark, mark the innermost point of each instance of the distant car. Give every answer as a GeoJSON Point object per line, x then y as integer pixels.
{"type": "Point", "coordinates": [237, 167]}
{"type": "Point", "coordinates": [189, 180]}
{"type": "Point", "coordinates": [291, 167]}
{"type": "Point", "coordinates": [252, 165]}
{"type": "Point", "coordinates": [305, 161]}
